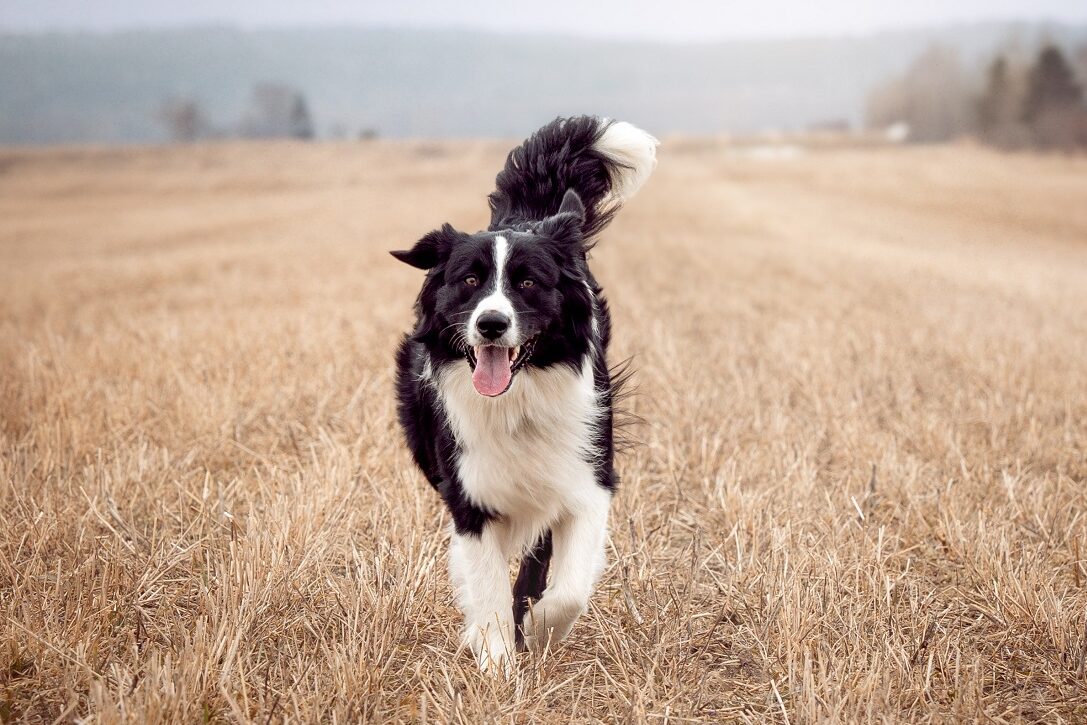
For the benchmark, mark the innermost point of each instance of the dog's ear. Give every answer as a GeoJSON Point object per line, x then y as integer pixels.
{"type": "Point", "coordinates": [429, 251]}
{"type": "Point", "coordinates": [565, 225]}
{"type": "Point", "coordinates": [571, 204]}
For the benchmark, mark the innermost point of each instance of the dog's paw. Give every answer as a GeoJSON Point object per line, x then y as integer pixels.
{"type": "Point", "coordinates": [492, 647]}
{"type": "Point", "coordinates": [549, 620]}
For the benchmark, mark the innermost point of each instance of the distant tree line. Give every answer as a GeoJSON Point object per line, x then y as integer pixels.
{"type": "Point", "coordinates": [275, 110]}
{"type": "Point", "coordinates": [1018, 103]}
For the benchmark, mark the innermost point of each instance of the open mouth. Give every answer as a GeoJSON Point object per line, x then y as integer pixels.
{"type": "Point", "coordinates": [493, 367]}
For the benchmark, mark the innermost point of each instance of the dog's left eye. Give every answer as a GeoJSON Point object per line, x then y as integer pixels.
{"type": "Point", "coordinates": [526, 283]}
{"type": "Point", "coordinates": [471, 280]}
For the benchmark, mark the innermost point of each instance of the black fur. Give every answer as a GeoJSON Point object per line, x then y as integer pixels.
{"type": "Point", "coordinates": [531, 582]}
{"type": "Point", "coordinates": [539, 172]}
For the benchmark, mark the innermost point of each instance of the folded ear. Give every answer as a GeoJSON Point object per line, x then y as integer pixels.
{"type": "Point", "coordinates": [429, 251]}
{"type": "Point", "coordinates": [565, 226]}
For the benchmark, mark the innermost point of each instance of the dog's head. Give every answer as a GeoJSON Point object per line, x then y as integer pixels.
{"type": "Point", "coordinates": [505, 299]}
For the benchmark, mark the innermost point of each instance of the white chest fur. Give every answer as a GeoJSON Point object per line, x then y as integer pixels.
{"type": "Point", "coordinates": [526, 454]}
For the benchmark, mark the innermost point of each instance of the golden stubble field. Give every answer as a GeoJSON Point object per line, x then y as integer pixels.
{"type": "Point", "coordinates": [860, 492]}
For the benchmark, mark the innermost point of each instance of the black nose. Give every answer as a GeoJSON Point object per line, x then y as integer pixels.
{"type": "Point", "coordinates": [492, 324]}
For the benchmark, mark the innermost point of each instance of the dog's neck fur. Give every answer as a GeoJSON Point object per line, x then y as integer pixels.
{"type": "Point", "coordinates": [520, 451]}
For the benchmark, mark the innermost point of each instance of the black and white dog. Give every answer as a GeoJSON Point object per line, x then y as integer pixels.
{"type": "Point", "coordinates": [504, 390]}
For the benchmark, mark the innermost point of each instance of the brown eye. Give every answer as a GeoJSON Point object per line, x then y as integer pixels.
{"type": "Point", "coordinates": [471, 280]}
{"type": "Point", "coordinates": [525, 284]}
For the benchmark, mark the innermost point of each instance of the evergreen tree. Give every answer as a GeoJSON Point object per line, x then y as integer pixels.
{"type": "Point", "coordinates": [1051, 86]}
{"type": "Point", "coordinates": [301, 124]}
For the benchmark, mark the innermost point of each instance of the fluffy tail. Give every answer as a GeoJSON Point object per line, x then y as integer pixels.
{"type": "Point", "coordinates": [604, 161]}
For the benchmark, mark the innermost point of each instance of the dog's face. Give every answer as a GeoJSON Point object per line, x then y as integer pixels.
{"type": "Point", "coordinates": [501, 300]}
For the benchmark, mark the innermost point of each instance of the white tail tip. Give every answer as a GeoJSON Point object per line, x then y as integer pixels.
{"type": "Point", "coordinates": [635, 153]}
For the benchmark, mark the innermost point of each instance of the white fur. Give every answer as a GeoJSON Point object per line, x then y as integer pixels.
{"type": "Point", "coordinates": [576, 563]}
{"type": "Point", "coordinates": [595, 320]}
{"type": "Point", "coordinates": [520, 451]}
{"type": "Point", "coordinates": [496, 301]}
{"type": "Point", "coordinates": [479, 569]}
{"type": "Point", "coordinates": [527, 455]}
{"type": "Point", "coordinates": [427, 373]}
{"type": "Point", "coordinates": [632, 148]}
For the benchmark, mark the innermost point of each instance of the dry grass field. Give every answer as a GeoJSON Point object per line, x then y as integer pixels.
{"type": "Point", "coordinates": [860, 493]}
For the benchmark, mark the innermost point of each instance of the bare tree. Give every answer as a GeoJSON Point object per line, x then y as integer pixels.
{"type": "Point", "coordinates": [930, 98]}
{"type": "Point", "coordinates": [184, 119]}
{"type": "Point", "coordinates": [993, 103]}
{"type": "Point", "coordinates": [277, 111]}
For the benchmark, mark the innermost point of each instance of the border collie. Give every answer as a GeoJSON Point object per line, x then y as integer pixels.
{"type": "Point", "coordinates": [504, 391]}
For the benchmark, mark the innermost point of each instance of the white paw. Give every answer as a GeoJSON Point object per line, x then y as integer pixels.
{"type": "Point", "coordinates": [550, 620]}
{"type": "Point", "coordinates": [493, 647]}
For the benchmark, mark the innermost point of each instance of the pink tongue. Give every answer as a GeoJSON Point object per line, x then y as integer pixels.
{"type": "Point", "coordinates": [492, 374]}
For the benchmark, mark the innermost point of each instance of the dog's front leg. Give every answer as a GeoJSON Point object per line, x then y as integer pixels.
{"type": "Point", "coordinates": [578, 558]}
{"type": "Point", "coordinates": [479, 568]}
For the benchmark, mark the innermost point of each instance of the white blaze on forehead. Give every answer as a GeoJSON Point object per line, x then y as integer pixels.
{"type": "Point", "coordinates": [496, 300]}
{"type": "Point", "coordinates": [501, 253]}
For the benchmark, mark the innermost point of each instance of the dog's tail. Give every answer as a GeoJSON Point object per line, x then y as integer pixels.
{"type": "Point", "coordinates": [531, 582]}
{"type": "Point", "coordinates": [604, 161]}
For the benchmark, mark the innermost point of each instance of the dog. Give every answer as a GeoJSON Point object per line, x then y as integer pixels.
{"type": "Point", "coordinates": [503, 387]}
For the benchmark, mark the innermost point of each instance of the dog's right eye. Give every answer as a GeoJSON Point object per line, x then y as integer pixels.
{"type": "Point", "coordinates": [471, 280]}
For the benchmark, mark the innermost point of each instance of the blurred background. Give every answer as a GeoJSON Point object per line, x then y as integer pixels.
{"type": "Point", "coordinates": [1009, 72]}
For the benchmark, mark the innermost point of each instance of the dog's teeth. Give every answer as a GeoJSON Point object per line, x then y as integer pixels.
{"type": "Point", "coordinates": [514, 352]}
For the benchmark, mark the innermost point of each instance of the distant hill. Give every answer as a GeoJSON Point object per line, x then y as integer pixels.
{"type": "Point", "coordinates": [64, 87]}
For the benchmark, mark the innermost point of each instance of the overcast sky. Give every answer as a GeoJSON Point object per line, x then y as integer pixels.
{"type": "Point", "coordinates": [672, 20]}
